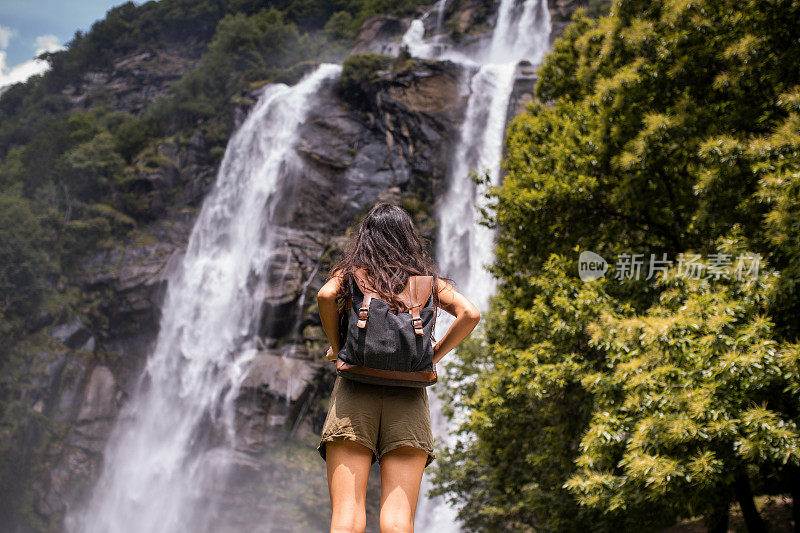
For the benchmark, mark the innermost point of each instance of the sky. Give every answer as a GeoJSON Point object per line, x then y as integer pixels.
{"type": "Point", "coordinates": [30, 27]}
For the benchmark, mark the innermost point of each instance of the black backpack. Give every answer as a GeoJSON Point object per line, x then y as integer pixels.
{"type": "Point", "coordinates": [386, 346]}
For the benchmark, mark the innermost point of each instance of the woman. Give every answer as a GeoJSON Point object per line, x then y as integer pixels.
{"type": "Point", "coordinates": [389, 424]}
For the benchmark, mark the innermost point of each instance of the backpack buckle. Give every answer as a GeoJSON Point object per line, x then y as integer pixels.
{"type": "Point", "coordinates": [363, 314]}
{"type": "Point", "coordinates": [417, 323]}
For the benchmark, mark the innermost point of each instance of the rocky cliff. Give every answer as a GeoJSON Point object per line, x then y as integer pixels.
{"type": "Point", "coordinates": [394, 145]}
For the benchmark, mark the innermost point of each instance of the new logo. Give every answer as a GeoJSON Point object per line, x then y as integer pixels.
{"type": "Point", "coordinates": [591, 266]}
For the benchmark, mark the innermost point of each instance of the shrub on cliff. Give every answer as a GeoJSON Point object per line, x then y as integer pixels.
{"type": "Point", "coordinates": [359, 72]}
{"type": "Point", "coordinates": [23, 267]}
{"type": "Point", "coordinates": [244, 49]}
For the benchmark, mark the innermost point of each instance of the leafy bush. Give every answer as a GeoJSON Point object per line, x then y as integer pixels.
{"type": "Point", "coordinates": [23, 266]}
{"type": "Point", "coordinates": [358, 72]}
{"type": "Point", "coordinates": [340, 26]}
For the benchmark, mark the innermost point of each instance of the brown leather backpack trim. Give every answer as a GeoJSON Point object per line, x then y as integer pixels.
{"type": "Point", "coordinates": [416, 320]}
{"type": "Point", "coordinates": [422, 376]}
{"type": "Point", "coordinates": [414, 296]}
{"type": "Point", "coordinates": [363, 311]}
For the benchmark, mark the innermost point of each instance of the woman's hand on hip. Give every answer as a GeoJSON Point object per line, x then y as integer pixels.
{"type": "Point", "coordinates": [330, 355]}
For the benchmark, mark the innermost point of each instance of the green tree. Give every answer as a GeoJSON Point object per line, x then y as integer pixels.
{"type": "Point", "coordinates": [245, 49]}
{"type": "Point", "coordinates": [775, 160]}
{"type": "Point", "coordinates": [23, 267]}
{"type": "Point", "coordinates": [699, 398]}
{"type": "Point", "coordinates": [359, 72]}
{"type": "Point", "coordinates": [340, 26]}
{"type": "Point", "coordinates": [519, 396]}
{"type": "Point", "coordinates": [92, 167]}
{"type": "Point", "coordinates": [659, 129]}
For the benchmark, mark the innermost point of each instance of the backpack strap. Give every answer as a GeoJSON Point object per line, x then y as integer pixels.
{"type": "Point", "coordinates": [363, 311]}
{"type": "Point", "coordinates": [419, 290]}
{"type": "Point", "coordinates": [416, 320]}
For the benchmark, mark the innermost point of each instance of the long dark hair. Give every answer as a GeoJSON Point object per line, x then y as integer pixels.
{"type": "Point", "coordinates": [388, 249]}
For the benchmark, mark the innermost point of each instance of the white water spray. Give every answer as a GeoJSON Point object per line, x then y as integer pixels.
{"type": "Point", "coordinates": [169, 447]}
{"type": "Point", "coordinates": [464, 247]}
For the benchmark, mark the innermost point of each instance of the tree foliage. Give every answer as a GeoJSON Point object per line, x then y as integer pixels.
{"type": "Point", "coordinates": [24, 267]}
{"type": "Point", "coordinates": [519, 393]}
{"type": "Point", "coordinates": [696, 395]}
{"type": "Point", "coordinates": [662, 128]}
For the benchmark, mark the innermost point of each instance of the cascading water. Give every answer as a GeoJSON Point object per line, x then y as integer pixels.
{"type": "Point", "coordinates": [440, 7]}
{"type": "Point", "coordinates": [521, 32]}
{"type": "Point", "coordinates": [171, 442]}
{"type": "Point", "coordinates": [169, 445]}
{"type": "Point", "coordinates": [464, 247]}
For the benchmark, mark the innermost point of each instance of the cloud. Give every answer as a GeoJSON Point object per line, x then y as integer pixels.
{"type": "Point", "coordinates": [47, 43]}
{"type": "Point", "coordinates": [23, 71]}
{"type": "Point", "coordinates": [5, 35]}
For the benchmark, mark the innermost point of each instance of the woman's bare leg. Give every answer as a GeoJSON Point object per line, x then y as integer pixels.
{"type": "Point", "coordinates": [348, 465]}
{"type": "Point", "coordinates": [401, 475]}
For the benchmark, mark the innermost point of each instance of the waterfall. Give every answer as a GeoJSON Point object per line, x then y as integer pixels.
{"type": "Point", "coordinates": [464, 248]}
{"type": "Point", "coordinates": [174, 439]}
{"type": "Point", "coordinates": [414, 40]}
{"type": "Point", "coordinates": [521, 32]}
{"type": "Point", "coordinates": [171, 442]}
{"type": "Point", "coordinates": [440, 7]}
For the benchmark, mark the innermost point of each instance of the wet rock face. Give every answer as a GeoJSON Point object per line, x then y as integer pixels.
{"type": "Point", "coordinates": [99, 396]}
{"type": "Point", "coordinates": [274, 391]}
{"type": "Point", "coordinates": [399, 135]}
{"type": "Point", "coordinates": [56, 393]}
{"type": "Point", "coordinates": [522, 93]}
{"type": "Point", "coordinates": [69, 475]}
{"type": "Point", "coordinates": [130, 281]}
{"type": "Point", "coordinates": [172, 176]}
{"type": "Point", "coordinates": [94, 409]}
{"type": "Point", "coordinates": [469, 16]}
{"type": "Point", "coordinates": [73, 334]}
{"type": "Point", "coordinates": [377, 33]}
{"type": "Point", "coordinates": [562, 10]}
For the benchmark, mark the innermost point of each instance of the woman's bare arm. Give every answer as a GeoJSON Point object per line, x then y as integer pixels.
{"type": "Point", "coordinates": [467, 317]}
{"type": "Point", "coordinates": [329, 314]}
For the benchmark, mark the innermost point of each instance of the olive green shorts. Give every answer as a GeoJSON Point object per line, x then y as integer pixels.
{"type": "Point", "coordinates": [381, 417]}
